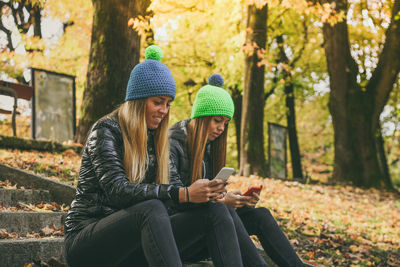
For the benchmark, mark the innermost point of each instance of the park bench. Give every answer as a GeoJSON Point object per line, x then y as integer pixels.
{"type": "Point", "coordinates": [17, 91]}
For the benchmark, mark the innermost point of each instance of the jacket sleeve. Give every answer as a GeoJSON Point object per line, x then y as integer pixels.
{"type": "Point", "coordinates": [176, 152]}
{"type": "Point", "coordinates": [105, 151]}
{"type": "Point", "coordinates": [174, 155]}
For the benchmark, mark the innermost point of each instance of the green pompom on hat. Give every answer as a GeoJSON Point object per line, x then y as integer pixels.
{"type": "Point", "coordinates": [212, 100]}
{"type": "Point", "coordinates": [154, 52]}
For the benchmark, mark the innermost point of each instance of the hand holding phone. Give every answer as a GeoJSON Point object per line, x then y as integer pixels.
{"type": "Point", "coordinates": [253, 189]}
{"type": "Point", "coordinates": [234, 199]}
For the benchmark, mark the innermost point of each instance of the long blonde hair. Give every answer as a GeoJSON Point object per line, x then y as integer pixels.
{"type": "Point", "coordinates": [197, 140]}
{"type": "Point", "coordinates": [132, 119]}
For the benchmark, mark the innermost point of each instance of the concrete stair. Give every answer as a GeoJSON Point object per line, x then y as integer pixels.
{"type": "Point", "coordinates": [26, 222]}
{"type": "Point", "coordinates": [12, 197]}
{"type": "Point", "coordinates": [21, 251]}
{"type": "Point", "coordinates": [18, 252]}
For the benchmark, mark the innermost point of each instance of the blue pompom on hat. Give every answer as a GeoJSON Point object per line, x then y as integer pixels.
{"type": "Point", "coordinates": [150, 77]}
{"type": "Point", "coordinates": [216, 80]}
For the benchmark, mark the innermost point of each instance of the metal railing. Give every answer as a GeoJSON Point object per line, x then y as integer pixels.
{"type": "Point", "coordinates": [11, 92]}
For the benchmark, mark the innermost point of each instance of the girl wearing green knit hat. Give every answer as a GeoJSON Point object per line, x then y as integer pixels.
{"type": "Point", "coordinates": [198, 152]}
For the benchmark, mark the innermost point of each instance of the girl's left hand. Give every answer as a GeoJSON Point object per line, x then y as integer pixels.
{"type": "Point", "coordinates": [235, 199]}
{"type": "Point", "coordinates": [253, 200]}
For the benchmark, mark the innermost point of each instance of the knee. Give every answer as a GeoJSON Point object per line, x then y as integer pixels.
{"type": "Point", "coordinates": [230, 209]}
{"type": "Point", "coordinates": [219, 212]}
{"type": "Point", "coordinates": [263, 215]}
{"type": "Point", "coordinates": [155, 207]}
{"type": "Point", "coordinates": [262, 212]}
{"type": "Point", "coordinates": [217, 208]}
{"type": "Point", "coordinates": [233, 213]}
{"type": "Point", "coordinates": [154, 203]}
{"type": "Point", "coordinates": [149, 209]}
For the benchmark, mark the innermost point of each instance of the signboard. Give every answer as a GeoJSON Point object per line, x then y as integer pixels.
{"type": "Point", "coordinates": [53, 106]}
{"type": "Point", "coordinates": [277, 150]}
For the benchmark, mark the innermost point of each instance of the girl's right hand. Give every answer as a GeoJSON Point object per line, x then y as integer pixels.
{"type": "Point", "coordinates": [203, 190]}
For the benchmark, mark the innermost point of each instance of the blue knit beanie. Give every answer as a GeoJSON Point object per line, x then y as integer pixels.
{"type": "Point", "coordinates": [150, 77]}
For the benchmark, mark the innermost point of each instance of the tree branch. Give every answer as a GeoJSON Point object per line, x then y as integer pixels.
{"type": "Point", "coordinates": [8, 33]}
{"type": "Point", "coordinates": [67, 24]}
{"type": "Point", "coordinates": [388, 67]}
{"type": "Point", "coordinates": [274, 85]}
{"type": "Point", "coordinates": [305, 41]}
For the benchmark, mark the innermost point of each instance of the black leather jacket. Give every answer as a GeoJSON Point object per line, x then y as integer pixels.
{"type": "Point", "coordinates": [103, 187]}
{"type": "Point", "coordinates": [179, 155]}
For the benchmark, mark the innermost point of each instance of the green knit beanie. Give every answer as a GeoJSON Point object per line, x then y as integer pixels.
{"type": "Point", "coordinates": [212, 100]}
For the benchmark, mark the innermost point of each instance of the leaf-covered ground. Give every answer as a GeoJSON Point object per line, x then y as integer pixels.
{"type": "Point", "coordinates": [334, 225]}
{"type": "Point", "coordinates": [329, 225]}
{"type": "Point", "coordinates": [49, 231]}
{"type": "Point", "coordinates": [58, 166]}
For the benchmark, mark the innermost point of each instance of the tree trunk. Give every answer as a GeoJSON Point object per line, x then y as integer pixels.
{"type": "Point", "coordinates": [292, 131]}
{"type": "Point", "coordinates": [290, 113]}
{"type": "Point", "coordinates": [36, 20]}
{"type": "Point", "coordinates": [252, 158]}
{"type": "Point", "coordinates": [237, 116]}
{"type": "Point", "coordinates": [382, 158]}
{"type": "Point", "coordinates": [114, 51]}
{"type": "Point", "coordinates": [355, 109]}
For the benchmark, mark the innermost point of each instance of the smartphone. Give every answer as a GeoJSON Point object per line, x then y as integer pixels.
{"type": "Point", "coordinates": [255, 189]}
{"type": "Point", "coordinates": [224, 173]}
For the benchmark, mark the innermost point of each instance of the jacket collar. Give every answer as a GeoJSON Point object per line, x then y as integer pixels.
{"type": "Point", "coordinates": [178, 131]}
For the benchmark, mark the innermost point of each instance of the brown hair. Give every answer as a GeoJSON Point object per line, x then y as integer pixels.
{"type": "Point", "coordinates": [197, 140]}
{"type": "Point", "coordinates": [131, 116]}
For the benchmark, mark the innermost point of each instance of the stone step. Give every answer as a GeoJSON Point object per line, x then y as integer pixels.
{"type": "Point", "coordinates": [11, 197]}
{"type": "Point", "coordinates": [26, 222]}
{"type": "Point", "coordinates": [18, 252]}
{"type": "Point", "coordinates": [199, 264]}
{"type": "Point", "coordinates": [60, 192]}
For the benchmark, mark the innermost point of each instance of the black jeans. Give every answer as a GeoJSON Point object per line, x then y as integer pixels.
{"type": "Point", "coordinates": [249, 253]}
{"type": "Point", "coordinates": [260, 222]}
{"type": "Point", "coordinates": [144, 235]}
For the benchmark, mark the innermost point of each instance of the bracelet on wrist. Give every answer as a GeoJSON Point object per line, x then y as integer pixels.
{"type": "Point", "coordinates": [187, 194]}
{"type": "Point", "coordinates": [184, 194]}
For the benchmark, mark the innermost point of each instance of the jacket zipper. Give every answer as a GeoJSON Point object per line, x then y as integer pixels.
{"type": "Point", "coordinates": [204, 169]}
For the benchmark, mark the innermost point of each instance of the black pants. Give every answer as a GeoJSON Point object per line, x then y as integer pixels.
{"type": "Point", "coordinates": [249, 253]}
{"type": "Point", "coordinates": [144, 235]}
{"type": "Point", "coordinates": [260, 222]}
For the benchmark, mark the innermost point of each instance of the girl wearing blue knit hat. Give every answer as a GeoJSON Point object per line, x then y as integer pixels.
{"type": "Point", "coordinates": [198, 152]}
{"type": "Point", "coordinates": [121, 212]}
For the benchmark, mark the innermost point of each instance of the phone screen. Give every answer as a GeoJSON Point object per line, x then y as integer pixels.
{"type": "Point", "coordinates": [224, 173]}
{"type": "Point", "coordinates": [255, 189]}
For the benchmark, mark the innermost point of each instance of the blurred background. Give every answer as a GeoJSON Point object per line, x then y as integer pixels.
{"type": "Point", "coordinates": [326, 71]}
